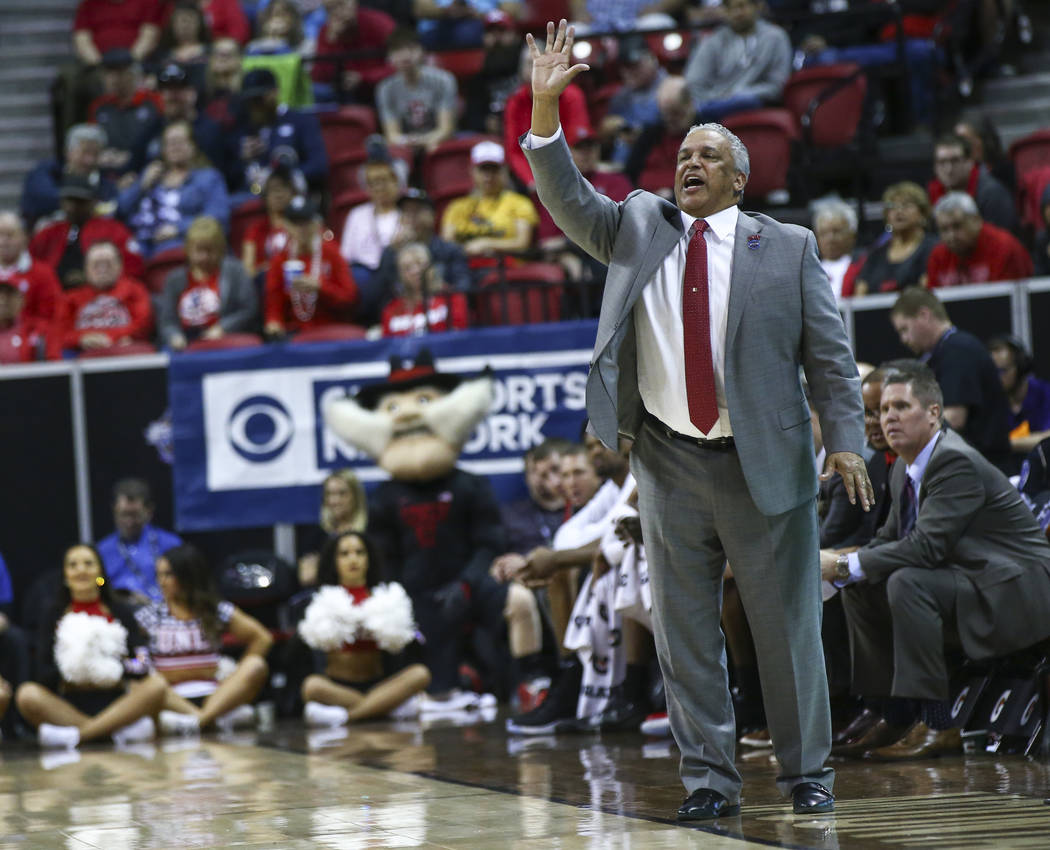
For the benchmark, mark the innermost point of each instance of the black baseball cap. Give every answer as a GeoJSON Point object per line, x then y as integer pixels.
{"type": "Point", "coordinates": [300, 209]}
{"type": "Point", "coordinates": [414, 195]}
{"type": "Point", "coordinates": [78, 187]}
{"type": "Point", "coordinates": [173, 76]}
{"type": "Point", "coordinates": [257, 82]}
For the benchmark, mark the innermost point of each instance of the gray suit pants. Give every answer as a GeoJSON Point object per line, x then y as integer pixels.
{"type": "Point", "coordinates": [696, 512]}
{"type": "Point", "coordinates": [898, 630]}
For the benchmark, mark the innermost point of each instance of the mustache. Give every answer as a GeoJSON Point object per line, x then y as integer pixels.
{"type": "Point", "coordinates": [453, 417]}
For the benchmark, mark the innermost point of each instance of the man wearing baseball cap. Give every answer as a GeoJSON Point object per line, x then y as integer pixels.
{"type": "Point", "coordinates": [492, 219]}
{"type": "Point", "coordinates": [268, 133]}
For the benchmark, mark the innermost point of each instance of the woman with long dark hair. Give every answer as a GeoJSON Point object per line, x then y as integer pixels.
{"type": "Point", "coordinates": [92, 672]}
{"type": "Point", "coordinates": [186, 632]}
{"type": "Point", "coordinates": [355, 685]}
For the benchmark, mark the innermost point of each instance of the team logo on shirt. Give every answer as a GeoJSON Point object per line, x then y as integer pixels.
{"type": "Point", "coordinates": [198, 306]}
{"type": "Point", "coordinates": [260, 428]}
{"type": "Point", "coordinates": [104, 311]}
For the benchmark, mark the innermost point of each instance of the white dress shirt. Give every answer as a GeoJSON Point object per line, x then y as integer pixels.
{"type": "Point", "coordinates": [658, 328]}
{"type": "Point", "coordinates": [658, 322]}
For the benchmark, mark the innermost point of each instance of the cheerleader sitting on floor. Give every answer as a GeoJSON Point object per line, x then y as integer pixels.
{"type": "Point", "coordinates": [355, 619]}
{"type": "Point", "coordinates": [92, 678]}
{"type": "Point", "coordinates": [186, 631]}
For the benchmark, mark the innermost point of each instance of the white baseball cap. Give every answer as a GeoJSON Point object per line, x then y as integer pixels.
{"type": "Point", "coordinates": [487, 152]}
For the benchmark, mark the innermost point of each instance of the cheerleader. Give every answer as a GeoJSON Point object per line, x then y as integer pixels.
{"type": "Point", "coordinates": [354, 619]}
{"type": "Point", "coordinates": [93, 678]}
{"type": "Point", "coordinates": [186, 631]}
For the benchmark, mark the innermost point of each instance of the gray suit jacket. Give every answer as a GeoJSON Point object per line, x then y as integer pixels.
{"type": "Point", "coordinates": [238, 301]}
{"type": "Point", "coordinates": [972, 520]}
{"type": "Point", "coordinates": [782, 315]}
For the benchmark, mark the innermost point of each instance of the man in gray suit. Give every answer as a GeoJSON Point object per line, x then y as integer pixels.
{"type": "Point", "coordinates": [959, 547]}
{"type": "Point", "coordinates": [702, 334]}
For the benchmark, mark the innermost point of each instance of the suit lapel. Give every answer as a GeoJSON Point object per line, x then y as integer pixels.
{"type": "Point", "coordinates": [664, 237]}
{"type": "Point", "coordinates": [745, 266]}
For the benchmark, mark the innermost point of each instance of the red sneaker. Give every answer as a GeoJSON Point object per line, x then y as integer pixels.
{"type": "Point", "coordinates": [532, 693]}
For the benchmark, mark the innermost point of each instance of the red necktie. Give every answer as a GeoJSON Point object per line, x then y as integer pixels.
{"type": "Point", "coordinates": [696, 331]}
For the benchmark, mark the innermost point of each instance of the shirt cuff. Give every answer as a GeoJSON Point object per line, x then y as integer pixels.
{"type": "Point", "coordinates": [856, 571]}
{"type": "Point", "coordinates": [533, 142]}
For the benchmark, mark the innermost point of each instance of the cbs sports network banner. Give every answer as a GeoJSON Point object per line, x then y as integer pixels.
{"type": "Point", "coordinates": [251, 447]}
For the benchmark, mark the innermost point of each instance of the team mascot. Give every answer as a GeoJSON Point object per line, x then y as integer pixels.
{"type": "Point", "coordinates": [438, 527]}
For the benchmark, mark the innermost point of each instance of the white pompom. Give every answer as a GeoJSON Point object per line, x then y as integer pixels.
{"type": "Point", "coordinates": [388, 617]}
{"type": "Point", "coordinates": [331, 619]}
{"type": "Point", "coordinates": [89, 650]}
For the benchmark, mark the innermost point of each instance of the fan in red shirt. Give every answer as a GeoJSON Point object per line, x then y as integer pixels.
{"type": "Point", "coordinates": [971, 249]}
{"type": "Point", "coordinates": [35, 282]}
{"type": "Point", "coordinates": [19, 343]}
{"type": "Point", "coordinates": [63, 244]}
{"type": "Point", "coordinates": [350, 28]}
{"type": "Point", "coordinates": [109, 309]}
{"type": "Point", "coordinates": [101, 25]}
{"type": "Point", "coordinates": [424, 304]}
{"type": "Point", "coordinates": [517, 119]}
{"type": "Point", "coordinates": [309, 283]}
{"type": "Point", "coordinates": [267, 237]}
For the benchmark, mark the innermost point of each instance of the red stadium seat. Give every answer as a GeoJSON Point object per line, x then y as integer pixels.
{"type": "Point", "coordinates": [344, 170]}
{"type": "Point", "coordinates": [241, 219]}
{"type": "Point", "coordinates": [449, 163]}
{"type": "Point", "coordinates": [1031, 151]}
{"type": "Point", "coordinates": [330, 333]}
{"type": "Point", "coordinates": [767, 134]}
{"type": "Point", "coordinates": [346, 128]}
{"type": "Point", "coordinates": [671, 47]}
{"type": "Point", "coordinates": [828, 102]}
{"type": "Point", "coordinates": [522, 295]}
{"type": "Point", "coordinates": [464, 63]}
{"type": "Point", "coordinates": [160, 265]}
{"type": "Point", "coordinates": [119, 350]}
{"type": "Point", "coordinates": [1030, 187]}
{"type": "Point", "coordinates": [232, 340]}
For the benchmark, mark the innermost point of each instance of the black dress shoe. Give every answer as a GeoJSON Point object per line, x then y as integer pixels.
{"type": "Point", "coordinates": [811, 798]}
{"type": "Point", "coordinates": [705, 804]}
{"type": "Point", "coordinates": [857, 727]}
{"type": "Point", "coordinates": [618, 716]}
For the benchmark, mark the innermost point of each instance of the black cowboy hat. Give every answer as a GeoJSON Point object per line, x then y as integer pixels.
{"type": "Point", "coordinates": [420, 374]}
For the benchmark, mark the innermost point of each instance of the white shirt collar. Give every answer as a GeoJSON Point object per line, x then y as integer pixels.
{"type": "Point", "coordinates": [917, 468]}
{"type": "Point", "coordinates": [721, 223]}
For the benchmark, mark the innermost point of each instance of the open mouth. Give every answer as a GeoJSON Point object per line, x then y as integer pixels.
{"type": "Point", "coordinates": [693, 182]}
{"type": "Point", "coordinates": [413, 429]}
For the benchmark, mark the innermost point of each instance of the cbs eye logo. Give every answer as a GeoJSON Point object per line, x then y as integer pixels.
{"type": "Point", "coordinates": [260, 428]}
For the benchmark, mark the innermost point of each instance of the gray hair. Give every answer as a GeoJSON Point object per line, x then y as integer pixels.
{"type": "Point", "coordinates": [79, 133]}
{"type": "Point", "coordinates": [13, 218]}
{"type": "Point", "coordinates": [741, 160]}
{"type": "Point", "coordinates": [833, 209]}
{"type": "Point", "coordinates": [956, 202]}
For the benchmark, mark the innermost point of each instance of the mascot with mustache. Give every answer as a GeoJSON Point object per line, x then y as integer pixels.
{"type": "Point", "coordinates": [438, 527]}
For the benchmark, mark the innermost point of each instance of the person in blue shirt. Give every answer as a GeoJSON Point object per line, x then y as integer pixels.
{"type": "Point", "coordinates": [130, 553]}
{"type": "Point", "coordinates": [267, 133]}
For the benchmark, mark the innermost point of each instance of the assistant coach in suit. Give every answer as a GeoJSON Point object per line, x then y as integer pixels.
{"type": "Point", "coordinates": [699, 347]}
{"type": "Point", "coordinates": [959, 549]}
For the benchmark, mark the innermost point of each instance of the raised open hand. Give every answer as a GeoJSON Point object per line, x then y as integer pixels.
{"type": "Point", "coordinates": [551, 69]}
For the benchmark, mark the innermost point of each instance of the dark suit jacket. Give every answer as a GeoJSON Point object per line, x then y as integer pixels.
{"type": "Point", "coordinates": [972, 520]}
{"type": "Point", "coordinates": [844, 525]}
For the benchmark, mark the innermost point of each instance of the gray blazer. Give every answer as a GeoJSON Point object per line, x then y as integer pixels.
{"type": "Point", "coordinates": [238, 301]}
{"type": "Point", "coordinates": [972, 520]}
{"type": "Point", "coordinates": [782, 315]}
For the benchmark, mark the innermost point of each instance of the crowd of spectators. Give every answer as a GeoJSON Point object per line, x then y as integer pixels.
{"type": "Point", "coordinates": [195, 112]}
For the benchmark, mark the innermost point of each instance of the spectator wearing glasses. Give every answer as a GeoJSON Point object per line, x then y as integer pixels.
{"type": "Point", "coordinates": [899, 261]}
{"type": "Point", "coordinates": [956, 170]}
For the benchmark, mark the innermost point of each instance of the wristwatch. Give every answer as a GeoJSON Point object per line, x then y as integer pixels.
{"type": "Point", "coordinates": [842, 572]}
